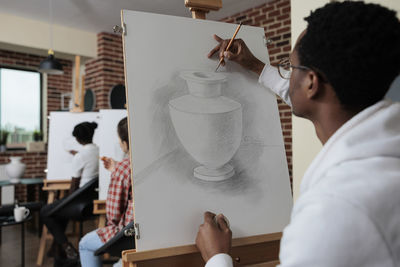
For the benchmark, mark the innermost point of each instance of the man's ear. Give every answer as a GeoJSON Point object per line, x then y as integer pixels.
{"type": "Point", "coordinates": [312, 85]}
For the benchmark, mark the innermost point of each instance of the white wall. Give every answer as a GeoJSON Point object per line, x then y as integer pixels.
{"type": "Point", "coordinates": [305, 142]}
{"type": "Point", "coordinates": [33, 35]}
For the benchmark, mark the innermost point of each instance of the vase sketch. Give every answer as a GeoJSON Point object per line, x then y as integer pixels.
{"type": "Point", "coordinates": [208, 125]}
{"type": "Point", "coordinates": [15, 169]}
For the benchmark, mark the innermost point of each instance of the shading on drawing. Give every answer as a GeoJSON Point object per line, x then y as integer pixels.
{"type": "Point", "coordinates": [200, 140]}
{"type": "Point", "coordinates": [208, 124]}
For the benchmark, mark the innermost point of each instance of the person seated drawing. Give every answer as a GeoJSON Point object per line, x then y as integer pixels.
{"type": "Point", "coordinates": [341, 67]}
{"type": "Point", "coordinates": [119, 203]}
{"type": "Point", "coordinates": [84, 167]}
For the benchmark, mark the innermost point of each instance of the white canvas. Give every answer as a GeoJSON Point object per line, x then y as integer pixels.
{"type": "Point", "coordinates": [61, 141]}
{"type": "Point", "coordinates": [108, 144]}
{"type": "Point", "coordinates": [169, 200]}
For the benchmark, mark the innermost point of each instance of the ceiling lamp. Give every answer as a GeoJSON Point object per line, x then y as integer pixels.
{"type": "Point", "coordinates": [50, 65]}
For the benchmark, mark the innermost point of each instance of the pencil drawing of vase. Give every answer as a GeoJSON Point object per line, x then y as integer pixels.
{"type": "Point", "coordinates": [208, 125]}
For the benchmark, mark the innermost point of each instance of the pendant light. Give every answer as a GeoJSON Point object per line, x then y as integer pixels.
{"type": "Point", "coordinates": [50, 65]}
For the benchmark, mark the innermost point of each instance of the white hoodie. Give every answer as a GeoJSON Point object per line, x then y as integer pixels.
{"type": "Point", "coordinates": [348, 212]}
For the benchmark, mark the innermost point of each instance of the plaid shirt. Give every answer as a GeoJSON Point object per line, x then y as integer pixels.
{"type": "Point", "coordinates": [119, 203]}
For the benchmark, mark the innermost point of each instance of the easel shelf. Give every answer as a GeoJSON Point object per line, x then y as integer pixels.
{"type": "Point", "coordinates": [245, 251]}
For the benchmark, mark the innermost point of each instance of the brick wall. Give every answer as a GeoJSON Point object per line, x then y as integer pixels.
{"type": "Point", "coordinates": [56, 84]}
{"type": "Point", "coordinates": [274, 16]}
{"type": "Point", "coordinates": [107, 69]}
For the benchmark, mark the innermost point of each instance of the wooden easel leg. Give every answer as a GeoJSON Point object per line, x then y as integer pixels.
{"type": "Point", "coordinates": [198, 14]}
{"type": "Point", "coordinates": [42, 246]}
{"type": "Point", "coordinates": [62, 194]}
{"type": "Point", "coordinates": [43, 238]}
{"type": "Point", "coordinates": [102, 221]}
{"type": "Point", "coordinates": [128, 264]}
{"type": "Point", "coordinates": [77, 227]}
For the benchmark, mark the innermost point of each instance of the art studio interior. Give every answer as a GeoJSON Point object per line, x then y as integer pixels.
{"type": "Point", "coordinates": [122, 122]}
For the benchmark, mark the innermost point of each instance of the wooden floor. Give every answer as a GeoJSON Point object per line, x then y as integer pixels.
{"type": "Point", "coordinates": [10, 248]}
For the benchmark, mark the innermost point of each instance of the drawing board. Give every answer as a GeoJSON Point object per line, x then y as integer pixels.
{"type": "Point", "coordinates": [171, 138]}
{"type": "Point", "coordinates": [108, 144]}
{"type": "Point", "coordinates": [61, 141]}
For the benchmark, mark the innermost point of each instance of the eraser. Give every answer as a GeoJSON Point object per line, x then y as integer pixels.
{"type": "Point", "coordinates": [226, 220]}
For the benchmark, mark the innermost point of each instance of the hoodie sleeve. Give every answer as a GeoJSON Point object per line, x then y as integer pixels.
{"type": "Point", "coordinates": [270, 78]}
{"type": "Point", "coordinates": [220, 260]}
{"type": "Point", "coordinates": [330, 232]}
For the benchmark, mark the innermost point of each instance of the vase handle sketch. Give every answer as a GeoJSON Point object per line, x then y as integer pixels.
{"type": "Point", "coordinates": [208, 124]}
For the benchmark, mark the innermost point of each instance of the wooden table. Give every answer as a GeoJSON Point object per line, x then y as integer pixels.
{"type": "Point", "coordinates": [12, 221]}
{"type": "Point", "coordinates": [23, 181]}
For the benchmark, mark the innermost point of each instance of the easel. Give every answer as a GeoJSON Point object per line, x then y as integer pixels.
{"type": "Point", "coordinates": [79, 91]}
{"type": "Point", "coordinates": [245, 251]}
{"type": "Point", "coordinates": [54, 186]}
{"type": "Point", "coordinates": [99, 208]}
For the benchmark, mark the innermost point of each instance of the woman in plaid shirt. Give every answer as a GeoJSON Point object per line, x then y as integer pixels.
{"type": "Point", "coordinates": [119, 204]}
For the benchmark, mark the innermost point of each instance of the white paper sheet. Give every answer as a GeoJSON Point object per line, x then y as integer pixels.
{"type": "Point", "coordinates": [169, 200]}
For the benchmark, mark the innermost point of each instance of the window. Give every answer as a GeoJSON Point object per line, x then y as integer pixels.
{"type": "Point", "coordinates": [20, 105]}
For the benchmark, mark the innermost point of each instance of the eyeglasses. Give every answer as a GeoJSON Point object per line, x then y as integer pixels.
{"type": "Point", "coordinates": [285, 68]}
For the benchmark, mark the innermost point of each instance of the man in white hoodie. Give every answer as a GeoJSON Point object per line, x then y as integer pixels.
{"type": "Point", "coordinates": [348, 212]}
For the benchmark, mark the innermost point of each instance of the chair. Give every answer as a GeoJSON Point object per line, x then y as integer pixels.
{"type": "Point", "coordinates": [78, 206]}
{"type": "Point", "coordinates": [123, 240]}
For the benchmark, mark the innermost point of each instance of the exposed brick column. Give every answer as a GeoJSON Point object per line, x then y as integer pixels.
{"type": "Point", "coordinates": [274, 16]}
{"type": "Point", "coordinates": [57, 85]}
{"type": "Point", "coordinates": [107, 70]}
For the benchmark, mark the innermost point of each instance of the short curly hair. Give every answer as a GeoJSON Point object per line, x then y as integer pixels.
{"type": "Point", "coordinates": [84, 131]}
{"type": "Point", "coordinates": [356, 46]}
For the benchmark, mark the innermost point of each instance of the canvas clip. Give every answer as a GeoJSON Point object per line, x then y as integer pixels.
{"type": "Point", "coordinates": [129, 231]}
{"type": "Point", "coordinates": [267, 41]}
{"type": "Point", "coordinates": [136, 231]}
{"type": "Point", "coordinates": [120, 29]}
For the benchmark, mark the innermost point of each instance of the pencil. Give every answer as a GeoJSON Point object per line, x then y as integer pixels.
{"type": "Point", "coordinates": [229, 44]}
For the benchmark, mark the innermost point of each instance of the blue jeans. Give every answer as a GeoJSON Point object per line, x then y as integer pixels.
{"type": "Point", "coordinates": [87, 246]}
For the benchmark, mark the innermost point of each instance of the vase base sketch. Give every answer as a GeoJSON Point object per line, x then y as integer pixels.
{"type": "Point", "coordinates": [214, 175]}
